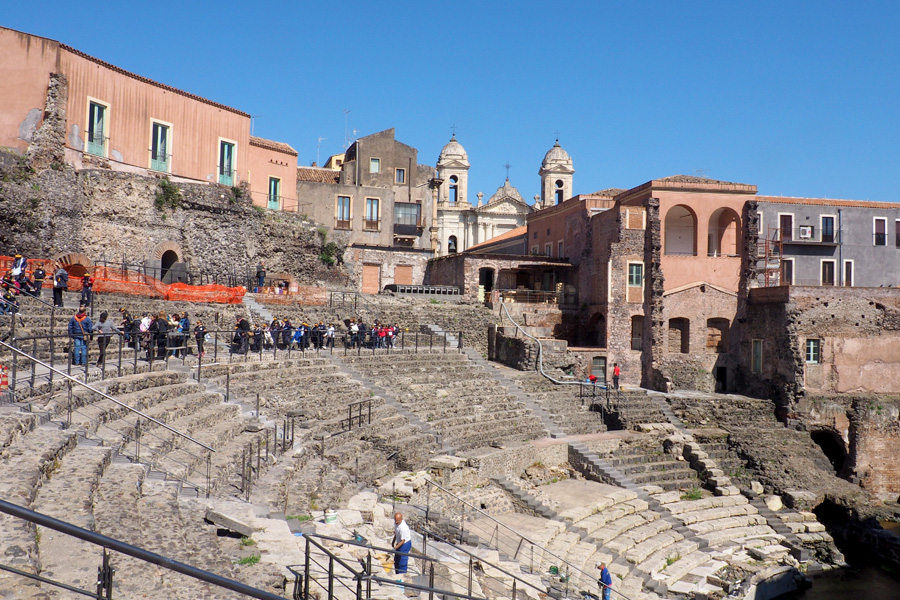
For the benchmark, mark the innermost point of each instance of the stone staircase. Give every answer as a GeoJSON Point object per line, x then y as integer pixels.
{"type": "Point", "coordinates": [571, 413]}
{"type": "Point", "coordinates": [459, 399]}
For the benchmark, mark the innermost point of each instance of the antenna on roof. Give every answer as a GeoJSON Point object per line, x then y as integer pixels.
{"type": "Point", "coordinates": [252, 120]}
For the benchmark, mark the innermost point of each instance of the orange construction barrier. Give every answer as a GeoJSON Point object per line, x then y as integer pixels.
{"type": "Point", "coordinates": [4, 380]}
{"type": "Point", "coordinates": [113, 280]}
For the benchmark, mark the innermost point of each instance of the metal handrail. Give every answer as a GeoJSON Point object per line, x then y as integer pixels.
{"type": "Point", "coordinates": [105, 395]}
{"type": "Point", "coordinates": [43, 520]}
{"type": "Point", "coordinates": [546, 551]}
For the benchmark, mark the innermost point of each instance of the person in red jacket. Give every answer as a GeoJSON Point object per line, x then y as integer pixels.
{"type": "Point", "coordinates": [616, 373]}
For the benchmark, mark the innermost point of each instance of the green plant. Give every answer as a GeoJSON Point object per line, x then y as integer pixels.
{"type": "Point", "coordinates": [167, 196]}
{"type": "Point", "coordinates": [249, 560]}
{"type": "Point", "coordinates": [245, 541]}
{"type": "Point", "coordinates": [260, 210]}
{"type": "Point", "coordinates": [313, 505]}
{"type": "Point", "coordinates": [434, 301]}
{"type": "Point", "coordinates": [36, 187]}
{"type": "Point", "coordinates": [694, 493]}
{"type": "Point", "coordinates": [300, 518]}
{"type": "Point", "coordinates": [329, 253]}
{"type": "Point", "coordinates": [56, 165]}
{"type": "Point", "coordinates": [671, 560]}
{"type": "Point", "coordinates": [37, 535]}
{"type": "Point", "coordinates": [236, 193]}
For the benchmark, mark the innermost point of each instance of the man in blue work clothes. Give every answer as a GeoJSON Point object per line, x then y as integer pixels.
{"type": "Point", "coordinates": [605, 581]}
{"type": "Point", "coordinates": [402, 544]}
{"type": "Point", "coordinates": [80, 327]}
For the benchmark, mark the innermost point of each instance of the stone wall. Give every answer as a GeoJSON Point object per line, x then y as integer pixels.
{"type": "Point", "coordinates": [109, 215]}
{"type": "Point", "coordinates": [859, 329]}
{"type": "Point", "coordinates": [875, 446]}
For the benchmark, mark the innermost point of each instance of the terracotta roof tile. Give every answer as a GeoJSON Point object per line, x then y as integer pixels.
{"type": "Point", "coordinates": [272, 145]}
{"type": "Point", "coordinates": [503, 236]}
{"type": "Point", "coordinates": [318, 175]}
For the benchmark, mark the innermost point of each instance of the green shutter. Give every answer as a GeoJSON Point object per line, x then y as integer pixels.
{"type": "Point", "coordinates": [226, 163]}
{"type": "Point", "coordinates": [159, 152]}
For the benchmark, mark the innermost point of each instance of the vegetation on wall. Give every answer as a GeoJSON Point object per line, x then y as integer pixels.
{"type": "Point", "coordinates": [167, 195]}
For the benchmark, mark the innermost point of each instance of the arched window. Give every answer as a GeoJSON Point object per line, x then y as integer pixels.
{"type": "Point", "coordinates": [454, 190]}
{"type": "Point", "coordinates": [559, 191]}
{"type": "Point", "coordinates": [681, 231]}
{"type": "Point", "coordinates": [724, 224]}
{"type": "Point", "coordinates": [451, 245]}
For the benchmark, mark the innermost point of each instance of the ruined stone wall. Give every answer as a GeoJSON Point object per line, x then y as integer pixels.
{"type": "Point", "coordinates": [694, 369]}
{"type": "Point", "coordinates": [627, 245]}
{"type": "Point", "coordinates": [110, 215]}
{"type": "Point", "coordinates": [859, 329]}
{"type": "Point", "coordinates": [875, 446]}
{"type": "Point", "coordinates": [655, 332]}
{"type": "Point", "coordinates": [389, 260]}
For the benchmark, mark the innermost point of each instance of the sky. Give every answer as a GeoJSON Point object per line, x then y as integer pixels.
{"type": "Point", "coordinates": [799, 98]}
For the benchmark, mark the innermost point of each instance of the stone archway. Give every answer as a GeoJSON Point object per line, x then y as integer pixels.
{"type": "Point", "coordinates": [832, 446]}
{"type": "Point", "coordinates": [76, 264]}
{"type": "Point", "coordinates": [164, 259]}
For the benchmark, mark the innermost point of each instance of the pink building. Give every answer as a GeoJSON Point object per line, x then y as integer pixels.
{"type": "Point", "coordinates": [118, 120]}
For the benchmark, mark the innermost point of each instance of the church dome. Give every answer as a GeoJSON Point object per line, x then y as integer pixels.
{"type": "Point", "coordinates": [556, 156]}
{"type": "Point", "coordinates": [453, 151]}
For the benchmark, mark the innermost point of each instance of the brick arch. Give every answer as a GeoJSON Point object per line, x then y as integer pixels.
{"type": "Point", "coordinates": [167, 246]}
{"type": "Point", "coordinates": [75, 263]}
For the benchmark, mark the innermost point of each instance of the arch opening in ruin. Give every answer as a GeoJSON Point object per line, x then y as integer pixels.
{"type": "Point", "coordinates": [832, 446]}
{"type": "Point", "coordinates": [168, 259]}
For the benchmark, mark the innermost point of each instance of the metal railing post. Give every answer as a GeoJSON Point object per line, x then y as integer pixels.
{"type": "Point", "coordinates": [306, 572]}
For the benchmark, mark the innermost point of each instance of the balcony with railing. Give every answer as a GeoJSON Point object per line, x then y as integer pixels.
{"type": "Point", "coordinates": [342, 224]}
{"type": "Point", "coordinates": [409, 227]}
{"type": "Point", "coordinates": [807, 234]}
{"type": "Point", "coordinates": [372, 225]}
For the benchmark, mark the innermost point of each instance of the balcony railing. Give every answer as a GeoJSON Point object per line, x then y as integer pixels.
{"type": "Point", "coordinates": [806, 234]}
{"type": "Point", "coordinates": [372, 225]}
{"type": "Point", "coordinates": [342, 224]}
{"type": "Point", "coordinates": [409, 228]}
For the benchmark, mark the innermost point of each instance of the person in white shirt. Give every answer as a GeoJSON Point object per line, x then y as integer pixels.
{"type": "Point", "coordinates": [402, 544]}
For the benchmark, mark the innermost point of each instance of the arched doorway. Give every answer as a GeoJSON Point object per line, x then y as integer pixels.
{"type": "Point", "coordinates": [451, 245]}
{"type": "Point", "coordinates": [168, 259]}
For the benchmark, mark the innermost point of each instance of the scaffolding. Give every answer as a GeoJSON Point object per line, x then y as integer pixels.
{"type": "Point", "coordinates": [770, 253]}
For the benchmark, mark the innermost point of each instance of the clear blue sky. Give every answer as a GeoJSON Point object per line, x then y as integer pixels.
{"type": "Point", "coordinates": [799, 98]}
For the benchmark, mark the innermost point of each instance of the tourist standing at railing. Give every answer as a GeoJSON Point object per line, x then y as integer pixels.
{"type": "Point", "coordinates": [261, 274]}
{"type": "Point", "coordinates": [200, 337]}
{"type": "Point", "coordinates": [184, 326]}
{"type": "Point", "coordinates": [87, 289]}
{"type": "Point", "coordinates": [287, 332]}
{"type": "Point", "coordinates": [126, 325]}
{"type": "Point", "coordinates": [402, 543]}
{"type": "Point", "coordinates": [242, 329]}
{"type": "Point", "coordinates": [80, 327]}
{"type": "Point", "coordinates": [20, 263]}
{"type": "Point", "coordinates": [354, 333]}
{"type": "Point", "coordinates": [329, 336]}
{"type": "Point", "coordinates": [39, 276]}
{"type": "Point", "coordinates": [159, 332]}
{"type": "Point", "coordinates": [105, 330]}
{"type": "Point", "coordinates": [9, 305]}
{"type": "Point", "coordinates": [60, 284]}
{"type": "Point", "coordinates": [605, 581]}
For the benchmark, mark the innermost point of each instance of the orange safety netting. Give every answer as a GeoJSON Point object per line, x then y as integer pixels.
{"type": "Point", "coordinates": [112, 280]}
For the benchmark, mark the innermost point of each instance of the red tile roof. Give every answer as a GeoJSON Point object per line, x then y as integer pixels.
{"type": "Point", "coordinates": [272, 145]}
{"type": "Point", "coordinates": [318, 175]}
{"type": "Point", "coordinates": [502, 237]}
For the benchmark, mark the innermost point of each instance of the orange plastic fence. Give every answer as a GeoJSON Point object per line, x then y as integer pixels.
{"type": "Point", "coordinates": [112, 280]}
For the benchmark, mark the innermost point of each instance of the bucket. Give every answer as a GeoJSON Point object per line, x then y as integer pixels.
{"type": "Point", "coordinates": [554, 570]}
{"type": "Point", "coordinates": [330, 517]}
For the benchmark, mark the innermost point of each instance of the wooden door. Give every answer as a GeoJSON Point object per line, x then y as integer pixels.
{"type": "Point", "coordinates": [371, 279]}
{"type": "Point", "coordinates": [403, 275]}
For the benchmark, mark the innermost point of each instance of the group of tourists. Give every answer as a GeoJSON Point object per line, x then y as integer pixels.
{"type": "Point", "coordinates": [158, 334]}
{"type": "Point", "coordinates": [18, 280]}
{"type": "Point", "coordinates": [379, 335]}
{"type": "Point", "coordinates": [281, 334]}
